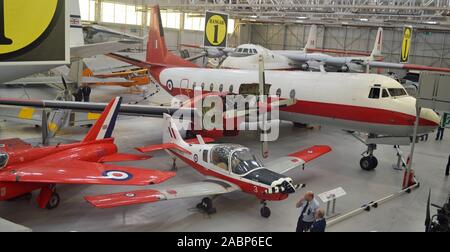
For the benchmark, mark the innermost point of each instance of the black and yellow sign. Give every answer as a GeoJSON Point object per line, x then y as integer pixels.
{"type": "Point", "coordinates": [216, 27]}
{"type": "Point", "coordinates": [406, 44]}
{"type": "Point", "coordinates": [32, 30]}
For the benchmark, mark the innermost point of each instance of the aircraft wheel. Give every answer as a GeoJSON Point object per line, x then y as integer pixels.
{"type": "Point", "coordinates": [206, 204]}
{"type": "Point", "coordinates": [265, 212]}
{"type": "Point", "coordinates": [53, 201]}
{"type": "Point", "coordinates": [368, 163]}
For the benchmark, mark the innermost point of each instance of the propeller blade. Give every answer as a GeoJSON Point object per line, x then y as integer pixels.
{"type": "Point", "coordinates": [428, 214]}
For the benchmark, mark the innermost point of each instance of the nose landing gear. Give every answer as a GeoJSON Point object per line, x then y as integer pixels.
{"type": "Point", "coordinates": [265, 211]}
{"type": "Point", "coordinates": [369, 162]}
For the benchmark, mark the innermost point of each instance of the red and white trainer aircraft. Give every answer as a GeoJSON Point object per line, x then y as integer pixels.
{"type": "Point", "coordinates": [227, 168]}
{"type": "Point", "coordinates": [24, 169]}
{"type": "Point", "coordinates": [368, 103]}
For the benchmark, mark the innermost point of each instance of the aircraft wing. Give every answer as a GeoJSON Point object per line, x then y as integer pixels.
{"type": "Point", "coordinates": [90, 50]}
{"type": "Point", "coordinates": [14, 144]}
{"type": "Point", "coordinates": [342, 52]}
{"type": "Point", "coordinates": [205, 188]}
{"type": "Point", "coordinates": [382, 64]}
{"type": "Point", "coordinates": [164, 146]}
{"type": "Point", "coordinates": [82, 172]}
{"type": "Point", "coordinates": [297, 56]}
{"type": "Point", "coordinates": [136, 110]}
{"type": "Point", "coordinates": [297, 159]}
{"type": "Point", "coordinates": [44, 80]}
{"type": "Point", "coordinates": [56, 118]}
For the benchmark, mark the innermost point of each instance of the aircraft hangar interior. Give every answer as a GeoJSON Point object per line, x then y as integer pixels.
{"type": "Point", "coordinates": [225, 116]}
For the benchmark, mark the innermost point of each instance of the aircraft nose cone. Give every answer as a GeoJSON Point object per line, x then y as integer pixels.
{"type": "Point", "coordinates": [429, 118]}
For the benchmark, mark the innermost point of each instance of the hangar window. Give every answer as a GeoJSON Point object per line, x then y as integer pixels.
{"type": "Point", "coordinates": [221, 88]}
{"type": "Point", "coordinates": [385, 93]}
{"type": "Point", "coordinates": [211, 88]}
{"type": "Point", "coordinates": [279, 92]}
{"type": "Point", "coordinates": [374, 93]}
{"type": "Point", "coordinates": [395, 92]}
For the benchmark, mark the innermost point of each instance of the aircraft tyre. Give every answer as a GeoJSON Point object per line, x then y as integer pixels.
{"type": "Point", "coordinates": [265, 212]}
{"type": "Point", "coordinates": [53, 202]}
{"type": "Point", "coordinates": [368, 163]}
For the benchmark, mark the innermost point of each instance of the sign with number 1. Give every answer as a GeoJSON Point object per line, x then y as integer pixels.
{"type": "Point", "coordinates": [216, 27]}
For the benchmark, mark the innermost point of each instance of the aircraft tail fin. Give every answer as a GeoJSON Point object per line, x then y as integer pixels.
{"type": "Point", "coordinates": [171, 133]}
{"type": "Point", "coordinates": [377, 47]}
{"type": "Point", "coordinates": [157, 52]}
{"type": "Point", "coordinates": [312, 38]}
{"type": "Point", "coordinates": [76, 28]}
{"type": "Point", "coordinates": [104, 126]}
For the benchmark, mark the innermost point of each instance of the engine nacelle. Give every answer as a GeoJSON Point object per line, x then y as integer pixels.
{"type": "Point", "coordinates": [305, 67]}
{"type": "Point", "coordinates": [345, 68]}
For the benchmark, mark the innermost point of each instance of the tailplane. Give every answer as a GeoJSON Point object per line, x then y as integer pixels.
{"type": "Point", "coordinates": [104, 126]}
{"type": "Point", "coordinates": [377, 47]}
{"type": "Point", "coordinates": [312, 38]}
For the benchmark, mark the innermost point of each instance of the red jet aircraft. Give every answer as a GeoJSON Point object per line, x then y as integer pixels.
{"type": "Point", "coordinates": [227, 168]}
{"type": "Point", "coordinates": [24, 169]}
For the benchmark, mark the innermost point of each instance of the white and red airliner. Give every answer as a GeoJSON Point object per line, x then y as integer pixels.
{"type": "Point", "coordinates": [368, 103]}
{"type": "Point", "coordinates": [227, 168]}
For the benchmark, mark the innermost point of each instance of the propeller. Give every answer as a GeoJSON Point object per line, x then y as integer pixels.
{"type": "Point", "coordinates": [263, 130]}
{"type": "Point", "coordinates": [428, 214]}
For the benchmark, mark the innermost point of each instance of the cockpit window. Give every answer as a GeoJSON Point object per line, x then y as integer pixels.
{"type": "Point", "coordinates": [3, 160]}
{"type": "Point", "coordinates": [245, 50]}
{"type": "Point", "coordinates": [374, 93]}
{"type": "Point", "coordinates": [221, 153]}
{"type": "Point", "coordinates": [396, 92]}
{"type": "Point", "coordinates": [385, 93]}
{"type": "Point", "coordinates": [243, 161]}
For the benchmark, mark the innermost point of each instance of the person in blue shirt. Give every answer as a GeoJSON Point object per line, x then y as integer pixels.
{"type": "Point", "coordinates": [308, 207]}
{"type": "Point", "coordinates": [319, 223]}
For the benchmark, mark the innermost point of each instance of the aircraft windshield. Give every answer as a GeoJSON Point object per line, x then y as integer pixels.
{"type": "Point", "coordinates": [3, 160]}
{"type": "Point", "coordinates": [396, 92]}
{"type": "Point", "coordinates": [243, 161]}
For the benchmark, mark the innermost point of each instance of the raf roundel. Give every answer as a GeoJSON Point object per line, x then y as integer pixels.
{"type": "Point", "coordinates": [117, 175]}
{"type": "Point", "coordinates": [169, 85]}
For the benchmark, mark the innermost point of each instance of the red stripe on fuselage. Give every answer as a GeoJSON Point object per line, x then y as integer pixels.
{"type": "Point", "coordinates": [337, 111]}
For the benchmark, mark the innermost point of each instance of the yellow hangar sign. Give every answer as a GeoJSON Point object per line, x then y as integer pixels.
{"type": "Point", "coordinates": [406, 44]}
{"type": "Point", "coordinates": [216, 27]}
{"type": "Point", "coordinates": [25, 25]}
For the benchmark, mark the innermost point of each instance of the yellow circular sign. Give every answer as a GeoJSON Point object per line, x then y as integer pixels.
{"type": "Point", "coordinates": [216, 30]}
{"type": "Point", "coordinates": [24, 23]}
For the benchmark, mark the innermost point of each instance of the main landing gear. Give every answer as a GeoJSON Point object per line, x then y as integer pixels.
{"type": "Point", "coordinates": [369, 162]}
{"type": "Point", "coordinates": [207, 206]}
{"type": "Point", "coordinates": [48, 198]}
{"type": "Point", "coordinates": [265, 211]}
{"type": "Point", "coordinates": [54, 201]}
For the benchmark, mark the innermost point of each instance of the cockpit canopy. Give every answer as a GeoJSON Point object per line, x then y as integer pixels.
{"type": "Point", "coordinates": [242, 160]}
{"type": "Point", "coordinates": [3, 160]}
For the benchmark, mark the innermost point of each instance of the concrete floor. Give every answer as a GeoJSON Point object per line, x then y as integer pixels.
{"type": "Point", "coordinates": [238, 211]}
